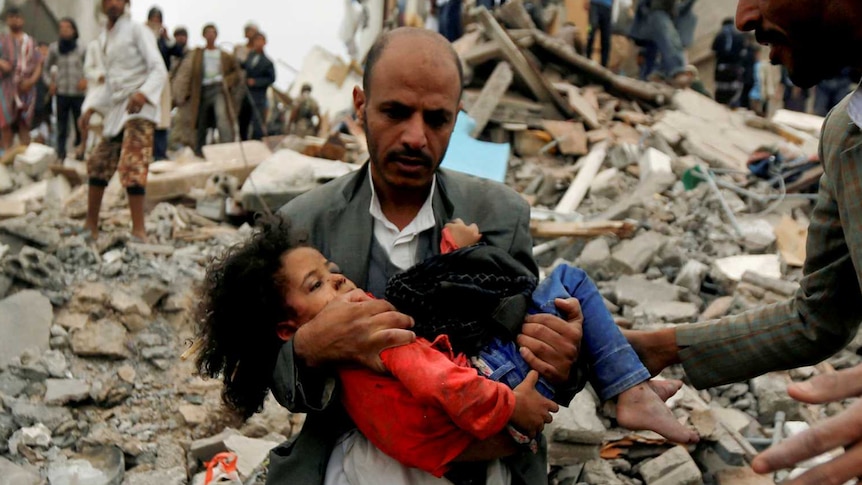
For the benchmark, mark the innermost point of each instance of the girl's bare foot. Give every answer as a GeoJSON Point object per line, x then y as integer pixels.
{"type": "Point", "coordinates": [643, 407]}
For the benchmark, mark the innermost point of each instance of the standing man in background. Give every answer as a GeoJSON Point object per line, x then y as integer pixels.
{"type": "Point", "coordinates": [155, 22]}
{"type": "Point", "coordinates": [135, 75]}
{"type": "Point", "coordinates": [600, 20]}
{"type": "Point", "coordinates": [64, 74]}
{"type": "Point", "coordinates": [204, 85]}
{"type": "Point", "coordinates": [259, 76]}
{"type": "Point", "coordinates": [20, 70]}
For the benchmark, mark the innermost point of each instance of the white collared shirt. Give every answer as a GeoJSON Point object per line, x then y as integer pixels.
{"type": "Point", "coordinates": [401, 245]}
{"type": "Point", "coordinates": [132, 64]}
{"type": "Point", "coordinates": [854, 109]}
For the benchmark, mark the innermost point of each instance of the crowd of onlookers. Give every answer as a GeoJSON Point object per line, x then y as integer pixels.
{"type": "Point", "coordinates": [212, 95]}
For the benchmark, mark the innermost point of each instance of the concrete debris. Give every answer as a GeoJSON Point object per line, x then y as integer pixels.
{"type": "Point", "coordinates": [62, 391]}
{"type": "Point", "coordinates": [732, 268]}
{"type": "Point", "coordinates": [578, 422]}
{"type": "Point", "coordinates": [633, 256]}
{"type": "Point", "coordinates": [771, 393]}
{"type": "Point", "coordinates": [18, 475]}
{"type": "Point", "coordinates": [105, 338]}
{"type": "Point", "coordinates": [674, 467]}
{"type": "Point", "coordinates": [25, 322]}
{"type": "Point", "coordinates": [35, 159]}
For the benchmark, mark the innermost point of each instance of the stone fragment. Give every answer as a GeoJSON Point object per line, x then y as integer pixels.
{"type": "Point", "coordinates": [691, 275]}
{"type": "Point", "coordinates": [25, 323]}
{"type": "Point", "coordinates": [758, 235]}
{"type": "Point", "coordinates": [28, 414]}
{"type": "Point", "coordinates": [635, 291]}
{"type": "Point", "coordinates": [128, 304]}
{"type": "Point", "coordinates": [172, 476]}
{"type": "Point", "coordinates": [250, 453]}
{"type": "Point", "coordinates": [600, 472]}
{"type": "Point", "coordinates": [96, 293]}
{"type": "Point", "coordinates": [717, 309]}
{"type": "Point", "coordinates": [105, 338]}
{"type": "Point", "coordinates": [63, 391]}
{"type": "Point", "coordinates": [127, 374]}
{"type": "Point", "coordinates": [193, 415]}
{"type": "Point", "coordinates": [771, 392]}
{"type": "Point", "coordinates": [32, 436]}
{"type": "Point", "coordinates": [654, 162]}
{"type": "Point", "coordinates": [667, 312]}
{"type": "Point", "coordinates": [579, 422]}
{"type": "Point", "coordinates": [732, 268]}
{"type": "Point", "coordinates": [205, 448]}
{"type": "Point", "coordinates": [673, 467]}
{"type": "Point", "coordinates": [102, 465]}
{"type": "Point", "coordinates": [595, 257]}
{"type": "Point", "coordinates": [13, 474]}
{"type": "Point", "coordinates": [36, 268]}
{"type": "Point", "coordinates": [632, 256]}
{"type": "Point", "coordinates": [71, 320]}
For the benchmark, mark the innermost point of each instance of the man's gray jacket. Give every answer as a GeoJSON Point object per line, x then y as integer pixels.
{"type": "Point", "coordinates": [339, 224]}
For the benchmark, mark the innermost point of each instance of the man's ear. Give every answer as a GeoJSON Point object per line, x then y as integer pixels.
{"type": "Point", "coordinates": [286, 330]}
{"type": "Point", "coordinates": [359, 101]}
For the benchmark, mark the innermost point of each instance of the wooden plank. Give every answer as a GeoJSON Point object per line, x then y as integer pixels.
{"type": "Point", "coordinates": [494, 89]}
{"type": "Point", "coordinates": [578, 190]}
{"type": "Point", "coordinates": [526, 71]}
{"type": "Point", "coordinates": [580, 104]}
{"type": "Point", "coordinates": [571, 137]}
{"type": "Point", "coordinates": [650, 92]}
{"type": "Point", "coordinates": [515, 15]}
{"type": "Point", "coordinates": [555, 229]}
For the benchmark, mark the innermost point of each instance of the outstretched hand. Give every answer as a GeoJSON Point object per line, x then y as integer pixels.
{"type": "Point", "coordinates": [842, 430]}
{"type": "Point", "coordinates": [353, 328]}
{"type": "Point", "coordinates": [549, 344]}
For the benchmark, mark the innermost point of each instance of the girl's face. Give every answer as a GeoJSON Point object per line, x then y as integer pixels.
{"type": "Point", "coordinates": [311, 283]}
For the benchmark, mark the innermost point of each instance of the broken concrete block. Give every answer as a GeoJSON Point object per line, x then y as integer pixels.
{"type": "Point", "coordinates": [37, 435]}
{"type": "Point", "coordinates": [603, 185]}
{"type": "Point", "coordinates": [12, 208]}
{"type": "Point", "coordinates": [205, 448]}
{"type": "Point", "coordinates": [636, 290]}
{"type": "Point", "coordinates": [732, 268]}
{"type": "Point", "coordinates": [758, 235]}
{"type": "Point", "coordinates": [634, 255]}
{"type": "Point", "coordinates": [667, 312]}
{"type": "Point", "coordinates": [600, 472]}
{"type": "Point", "coordinates": [105, 338]}
{"type": "Point", "coordinates": [717, 309]}
{"type": "Point", "coordinates": [92, 293]}
{"type": "Point", "coordinates": [6, 182]}
{"type": "Point", "coordinates": [579, 422]}
{"type": "Point", "coordinates": [36, 268]}
{"type": "Point", "coordinates": [55, 363]}
{"type": "Point", "coordinates": [567, 454]}
{"type": "Point", "coordinates": [673, 467]}
{"type": "Point", "coordinates": [653, 162]}
{"type": "Point", "coordinates": [63, 391]}
{"type": "Point", "coordinates": [691, 275]}
{"type": "Point", "coordinates": [594, 257]}
{"type": "Point", "coordinates": [771, 392]}
{"type": "Point", "coordinates": [193, 414]}
{"type": "Point", "coordinates": [35, 159]}
{"type": "Point", "coordinates": [28, 414]}
{"type": "Point", "coordinates": [104, 465]}
{"type": "Point", "coordinates": [212, 207]}
{"type": "Point", "coordinates": [128, 304]}
{"type": "Point", "coordinates": [72, 321]}
{"type": "Point", "coordinates": [25, 323]}
{"type": "Point", "coordinates": [58, 191]}
{"type": "Point", "coordinates": [250, 452]}
{"type": "Point", "coordinates": [18, 475]}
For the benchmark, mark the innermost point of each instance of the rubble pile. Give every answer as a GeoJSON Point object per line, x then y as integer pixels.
{"type": "Point", "coordinates": [652, 191]}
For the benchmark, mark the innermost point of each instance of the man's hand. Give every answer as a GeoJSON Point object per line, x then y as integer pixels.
{"type": "Point", "coordinates": [5, 66]}
{"type": "Point", "coordinates": [550, 344]}
{"type": "Point", "coordinates": [463, 234]}
{"type": "Point", "coordinates": [250, 81]}
{"type": "Point", "coordinates": [52, 89]}
{"type": "Point", "coordinates": [354, 328]}
{"type": "Point", "coordinates": [82, 85]}
{"type": "Point", "coordinates": [25, 86]}
{"type": "Point", "coordinates": [842, 430]}
{"type": "Point", "coordinates": [84, 120]}
{"type": "Point", "coordinates": [532, 410]}
{"type": "Point", "coordinates": [136, 102]}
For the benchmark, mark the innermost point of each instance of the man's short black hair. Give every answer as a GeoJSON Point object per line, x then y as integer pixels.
{"type": "Point", "coordinates": [258, 34]}
{"type": "Point", "coordinates": [209, 26]}
{"type": "Point", "coordinates": [154, 12]}
{"type": "Point", "coordinates": [377, 50]}
{"type": "Point", "coordinates": [12, 12]}
{"type": "Point", "coordinates": [181, 31]}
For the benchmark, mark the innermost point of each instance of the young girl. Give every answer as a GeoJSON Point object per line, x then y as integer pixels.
{"type": "Point", "coordinates": [433, 405]}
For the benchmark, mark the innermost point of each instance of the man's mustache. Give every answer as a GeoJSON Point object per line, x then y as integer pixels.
{"type": "Point", "coordinates": [414, 156]}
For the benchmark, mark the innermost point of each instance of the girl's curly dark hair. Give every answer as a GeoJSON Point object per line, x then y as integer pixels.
{"type": "Point", "coordinates": [242, 301]}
